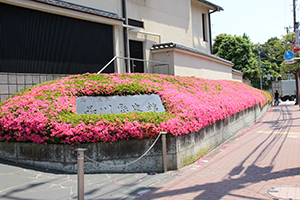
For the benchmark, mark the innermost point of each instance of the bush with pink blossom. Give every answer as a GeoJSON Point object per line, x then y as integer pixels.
{"type": "Point", "coordinates": [46, 113]}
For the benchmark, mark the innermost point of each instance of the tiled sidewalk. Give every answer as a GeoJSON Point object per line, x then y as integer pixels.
{"type": "Point", "coordinates": [263, 163]}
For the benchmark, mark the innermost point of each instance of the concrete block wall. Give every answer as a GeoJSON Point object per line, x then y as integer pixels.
{"type": "Point", "coordinates": [11, 83]}
{"type": "Point", "coordinates": [191, 147]}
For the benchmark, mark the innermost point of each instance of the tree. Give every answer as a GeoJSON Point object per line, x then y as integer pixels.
{"type": "Point", "coordinates": [270, 62]}
{"type": "Point", "coordinates": [244, 54]}
{"type": "Point", "coordinates": [217, 42]}
{"type": "Point", "coordinates": [238, 50]}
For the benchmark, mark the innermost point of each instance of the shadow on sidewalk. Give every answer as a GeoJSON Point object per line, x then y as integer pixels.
{"type": "Point", "coordinates": [273, 142]}
{"type": "Point", "coordinates": [31, 167]}
{"type": "Point", "coordinates": [217, 190]}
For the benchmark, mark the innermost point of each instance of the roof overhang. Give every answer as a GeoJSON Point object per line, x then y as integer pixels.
{"type": "Point", "coordinates": [174, 46]}
{"type": "Point", "coordinates": [237, 72]}
{"type": "Point", "coordinates": [212, 5]}
{"type": "Point", "coordinates": [80, 8]}
{"type": "Point", "coordinates": [68, 9]}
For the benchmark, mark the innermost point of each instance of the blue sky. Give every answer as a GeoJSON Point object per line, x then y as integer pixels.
{"type": "Point", "coordinates": [259, 19]}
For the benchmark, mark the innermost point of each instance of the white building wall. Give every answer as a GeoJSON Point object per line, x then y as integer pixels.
{"type": "Point", "coordinates": [114, 6]}
{"type": "Point", "coordinates": [170, 20]}
{"type": "Point", "coordinates": [197, 27]}
{"type": "Point", "coordinates": [192, 64]}
{"type": "Point", "coordinates": [237, 77]}
{"type": "Point", "coordinates": [187, 63]}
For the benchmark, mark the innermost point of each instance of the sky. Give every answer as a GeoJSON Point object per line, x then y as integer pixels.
{"type": "Point", "coordinates": [259, 19]}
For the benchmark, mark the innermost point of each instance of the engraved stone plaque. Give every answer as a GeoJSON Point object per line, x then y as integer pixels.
{"type": "Point", "coordinates": [119, 104]}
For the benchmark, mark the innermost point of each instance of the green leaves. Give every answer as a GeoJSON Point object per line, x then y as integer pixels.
{"type": "Point", "coordinates": [245, 56]}
{"type": "Point", "coordinates": [238, 50]}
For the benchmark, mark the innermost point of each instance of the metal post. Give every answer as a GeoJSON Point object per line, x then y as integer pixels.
{"type": "Point", "coordinates": [164, 150]}
{"type": "Point", "coordinates": [126, 37]}
{"type": "Point", "coordinates": [80, 173]}
{"type": "Point", "coordinates": [298, 87]}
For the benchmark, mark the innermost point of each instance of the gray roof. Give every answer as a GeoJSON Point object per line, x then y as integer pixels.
{"type": "Point", "coordinates": [237, 71]}
{"type": "Point", "coordinates": [180, 46]}
{"type": "Point", "coordinates": [102, 13]}
{"type": "Point", "coordinates": [76, 7]}
{"type": "Point", "coordinates": [211, 4]}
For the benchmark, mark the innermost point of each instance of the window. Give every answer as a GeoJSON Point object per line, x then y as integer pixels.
{"type": "Point", "coordinates": [204, 27]}
{"type": "Point", "coordinates": [133, 22]}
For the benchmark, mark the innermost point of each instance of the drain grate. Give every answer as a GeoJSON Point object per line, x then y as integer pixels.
{"type": "Point", "coordinates": [285, 192]}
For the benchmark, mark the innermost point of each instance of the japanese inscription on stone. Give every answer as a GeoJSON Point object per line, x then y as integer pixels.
{"type": "Point", "coordinates": [119, 104]}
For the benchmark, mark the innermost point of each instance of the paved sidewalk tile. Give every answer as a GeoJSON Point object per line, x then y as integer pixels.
{"type": "Point", "coordinates": [264, 156]}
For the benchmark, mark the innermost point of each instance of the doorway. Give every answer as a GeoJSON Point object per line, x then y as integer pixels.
{"type": "Point", "coordinates": [136, 51]}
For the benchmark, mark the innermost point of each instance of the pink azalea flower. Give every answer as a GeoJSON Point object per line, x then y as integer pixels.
{"type": "Point", "coordinates": [46, 113]}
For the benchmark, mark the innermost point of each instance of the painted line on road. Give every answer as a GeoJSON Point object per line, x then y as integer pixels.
{"type": "Point", "coordinates": [278, 132]}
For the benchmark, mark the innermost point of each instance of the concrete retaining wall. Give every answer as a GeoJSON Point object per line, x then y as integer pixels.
{"type": "Point", "coordinates": [11, 83]}
{"type": "Point", "coordinates": [181, 151]}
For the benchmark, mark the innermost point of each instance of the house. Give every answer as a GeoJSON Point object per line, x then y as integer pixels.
{"type": "Point", "coordinates": [45, 39]}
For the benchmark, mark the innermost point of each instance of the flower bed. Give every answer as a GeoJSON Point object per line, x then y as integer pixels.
{"type": "Point", "coordinates": [46, 113]}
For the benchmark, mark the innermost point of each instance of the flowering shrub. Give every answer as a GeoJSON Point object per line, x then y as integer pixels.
{"type": "Point", "coordinates": [46, 113]}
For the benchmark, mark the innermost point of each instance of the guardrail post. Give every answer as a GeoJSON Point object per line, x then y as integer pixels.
{"type": "Point", "coordinates": [164, 150]}
{"type": "Point", "coordinates": [80, 173]}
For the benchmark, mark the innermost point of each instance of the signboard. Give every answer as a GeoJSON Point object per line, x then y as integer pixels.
{"type": "Point", "coordinates": [119, 104]}
{"type": "Point", "coordinates": [287, 62]}
{"type": "Point", "coordinates": [296, 47]}
{"type": "Point", "coordinates": [288, 55]}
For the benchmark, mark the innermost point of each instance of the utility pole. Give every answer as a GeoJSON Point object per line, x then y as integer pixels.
{"type": "Point", "coordinates": [294, 15]}
{"type": "Point", "coordinates": [297, 70]}
{"type": "Point", "coordinates": [259, 52]}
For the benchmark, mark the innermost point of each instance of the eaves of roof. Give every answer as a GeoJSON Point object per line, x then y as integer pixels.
{"type": "Point", "coordinates": [80, 8]}
{"type": "Point", "coordinates": [180, 46]}
{"type": "Point", "coordinates": [237, 71]}
{"type": "Point", "coordinates": [218, 8]}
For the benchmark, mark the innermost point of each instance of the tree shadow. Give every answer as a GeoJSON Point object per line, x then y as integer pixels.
{"type": "Point", "coordinates": [252, 175]}
{"type": "Point", "coordinates": [26, 187]}
{"type": "Point", "coordinates": [31, 167]}
{"type": "Point", "coordinates": [252, 172]}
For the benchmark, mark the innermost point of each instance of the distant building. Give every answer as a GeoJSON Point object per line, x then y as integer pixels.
{"type": "Point", "coordinates": [45, 39]}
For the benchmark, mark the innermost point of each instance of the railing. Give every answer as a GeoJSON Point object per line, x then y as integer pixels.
{"type": "Point", "coordinates": [157, 63]}
{"type": "Point", "coordinates": [81, 156]}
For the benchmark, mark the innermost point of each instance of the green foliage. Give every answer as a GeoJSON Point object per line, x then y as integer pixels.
{"type": "Point", "coordinates": [116, 119]}
{"type": "Point", "coordinates": [239, 50]}
{"type": "Point", "coordinates": [217, 42]}
{"type": "Point", "coordinates": [270, 62]}
{"type": "Point", "coordinates": [21, 92]}
{"type": "Point", "coordinates": [244, 54]}
{"type": "Point", "coordinates": [287, 41]}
